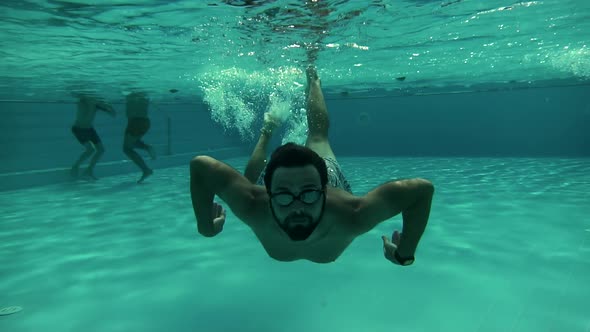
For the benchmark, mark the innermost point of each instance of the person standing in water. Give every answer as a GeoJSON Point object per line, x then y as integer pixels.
{"type": "Point", "coordinates": [138, 124]}
{"type": "Point", "coordinates": [83, 130]}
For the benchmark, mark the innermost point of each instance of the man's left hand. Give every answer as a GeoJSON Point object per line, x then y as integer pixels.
{"type": "Point", "coordinates": [390, 246]}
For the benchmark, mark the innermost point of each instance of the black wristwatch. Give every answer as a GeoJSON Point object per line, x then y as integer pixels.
{"type": "Point", "coordinates": [404, 261]}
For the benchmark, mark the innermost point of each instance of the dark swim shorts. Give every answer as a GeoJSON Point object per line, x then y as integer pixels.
{"type": "Point", "coordinates": [137, 126]}
{"type": "Point", "coordinates": [336, 178]}
{"type": "Point", "coordinates": [84, 135]}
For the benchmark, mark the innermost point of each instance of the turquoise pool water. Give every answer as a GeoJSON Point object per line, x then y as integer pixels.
{"type": "Point", "coordinates": [508, 243]}
{"type": "Point", "coordinates": [506, 249]}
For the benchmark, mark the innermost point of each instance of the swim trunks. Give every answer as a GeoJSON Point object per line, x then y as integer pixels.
{"type": "Point", "coordinates": [336, 178]}
{"type": "Point", "coordinates": [84, 135]}
{"type": "Point", "coordinates": [137, 126]}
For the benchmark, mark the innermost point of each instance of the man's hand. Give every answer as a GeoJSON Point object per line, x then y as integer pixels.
{"type": "Point", "coordinates": [390, 246]}
{"type": "Point", "coordinates": [218, 218]}
{"type": "Point", "coordinates": [107, 108]}
{"type": "Point", "coordinates": [111, 111]}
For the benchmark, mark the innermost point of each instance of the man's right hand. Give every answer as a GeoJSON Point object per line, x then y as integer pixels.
{"type": "Point", "coordinates": [218, 218]}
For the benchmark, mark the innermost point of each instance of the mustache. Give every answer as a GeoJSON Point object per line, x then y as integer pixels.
{"type": "Point", "coordinates": [299, 218]}
{"type": "Point", "coordinates": [300, 231]}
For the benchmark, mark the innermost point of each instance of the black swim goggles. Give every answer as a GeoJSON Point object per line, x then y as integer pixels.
{"type": "Point", "coordinates": [286, 198]}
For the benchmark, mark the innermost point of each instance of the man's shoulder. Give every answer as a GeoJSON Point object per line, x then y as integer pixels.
{"type": "Point", "coordinates": [259, 208]}
{"type": "Point", "coordinates": [338, 195]}
{"type": "Point", "coordinates": [342, 205]}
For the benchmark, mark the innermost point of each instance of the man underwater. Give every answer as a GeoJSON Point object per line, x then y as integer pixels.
{"type": "Point", "coordinates": [306, 210]}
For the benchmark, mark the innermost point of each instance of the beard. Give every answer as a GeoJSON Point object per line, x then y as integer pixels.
{"type": "Point", "coordinates": [299, 232]}
{"type": "Point", "coordinates": [299, 227]}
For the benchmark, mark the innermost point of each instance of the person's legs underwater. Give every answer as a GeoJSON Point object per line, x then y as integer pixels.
{"type": "Point", "coordinates": [317, 117]}
{"type": "Point", "coordinates": [92, 147]}
{"type": "Point", "coordinates": [88, 151]}
{"type": "Point", "coordinates": [99, 151]}
{"type": "Point", "coordinates": [257, 160]}
{"type": "Point", "coordinates": [136, 128]}
{"type": "Point", "coordinates": [318, 124]}
{"type": "Point", "coordinates": [129, 144]}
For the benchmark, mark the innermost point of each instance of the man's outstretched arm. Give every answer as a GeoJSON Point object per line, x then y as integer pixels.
{"type": "Point", "coordinates": [210, 177]}
{"type": "Point", "coordinates": [412, 198]}
{"type": "Point", "coordinates": [101, 105]}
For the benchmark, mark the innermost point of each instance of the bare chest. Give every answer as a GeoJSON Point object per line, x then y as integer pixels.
{"type": "Point", "coordinates": [85, 117]}
{"type": "Point", "coordinates": [323, 250]}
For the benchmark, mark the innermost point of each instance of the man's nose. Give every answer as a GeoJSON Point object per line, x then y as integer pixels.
{"type": "Point", "coordinates": [298, 207]}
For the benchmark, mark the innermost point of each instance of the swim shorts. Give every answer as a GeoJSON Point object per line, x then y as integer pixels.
{"type": "Point", "coordinates": [137, 126]}
{"type": "Point", "coordinates": [84, 135]}
{"type": "Point", "coordinates": [336, 178]}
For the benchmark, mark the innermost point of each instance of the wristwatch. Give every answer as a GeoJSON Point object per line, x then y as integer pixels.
{"type": "Point", "coordinates": [404, 261]}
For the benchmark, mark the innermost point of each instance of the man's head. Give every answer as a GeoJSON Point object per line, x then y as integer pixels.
{"type": "Point", "coordinates": [295, 180]}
